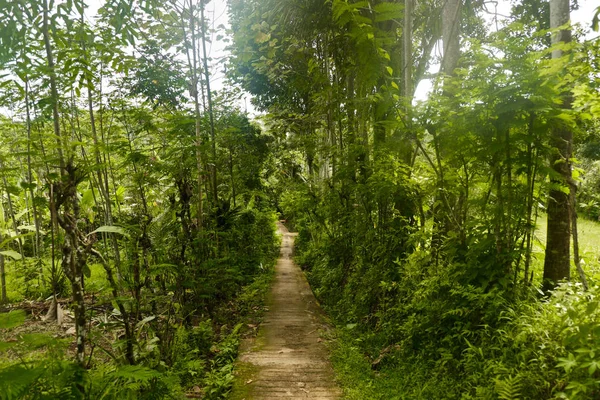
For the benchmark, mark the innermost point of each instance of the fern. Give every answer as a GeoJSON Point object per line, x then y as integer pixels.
{"type": "Point", "coordinates": [509, 388]}
{"type": "Point", "coordinates": [135, 373]}
{"type": "Point", "coordinates": [15, 380]}
{"type": "Point", "coordinates": [12, 319]}
{"type": "Point", "coordinates": [37, 340]}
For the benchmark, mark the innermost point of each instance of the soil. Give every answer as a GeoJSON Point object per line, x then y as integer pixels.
{"type": "Point", "coordinates": [288, 359]}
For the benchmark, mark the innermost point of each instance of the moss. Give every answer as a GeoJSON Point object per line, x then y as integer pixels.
{"type": "Point", "coordinates": [244, 371]}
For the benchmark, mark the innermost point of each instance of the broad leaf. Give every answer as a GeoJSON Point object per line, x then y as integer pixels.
{"type": "Point", "coordinates": [12, 254]}
{"type": "Point", "coordinates": [110, 229]}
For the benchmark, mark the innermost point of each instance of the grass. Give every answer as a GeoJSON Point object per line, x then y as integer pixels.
{"type": "Point", "coordinates": [360, 381]}
{"type": "Point", "coordinates": [589, 248]}
{"type": "Point", "coordinates": [23, 280]}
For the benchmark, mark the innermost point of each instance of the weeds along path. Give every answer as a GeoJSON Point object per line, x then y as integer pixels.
{"type": "Point", "coordinates": [287, 360]}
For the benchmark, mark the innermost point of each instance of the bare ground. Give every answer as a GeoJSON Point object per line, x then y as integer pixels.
{"type": "Point", "coordinates": [288, 359]}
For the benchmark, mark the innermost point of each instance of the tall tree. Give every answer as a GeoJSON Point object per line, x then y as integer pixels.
{"type": "Point", "coordinates": [450, 35]}
{"type": "Point", "coordinates": [557, 258]}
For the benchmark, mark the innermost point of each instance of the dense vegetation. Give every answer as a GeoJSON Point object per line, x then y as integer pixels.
{"type": "Point", "coordinates": [417, 220]}
{"type": "Point", "coordinates": [138, 205]}
{"type": "Point", "coordinates": [132, 201]}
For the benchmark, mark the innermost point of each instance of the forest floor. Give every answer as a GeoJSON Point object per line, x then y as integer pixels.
{"type": "Point", "coordinates": [288, 359]}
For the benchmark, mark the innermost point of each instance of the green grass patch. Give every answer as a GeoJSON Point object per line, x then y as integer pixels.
{"type": "Point", "coordinates": [244, 371]}
{"type": "Point", "coordinates": [399, 380]}
{"type": "Point", "coordinates": [24, 280]}
{"type": "Point", "coordinates": [589, 248]}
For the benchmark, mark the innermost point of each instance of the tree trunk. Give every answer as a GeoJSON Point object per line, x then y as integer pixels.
{"type": "Point", "coordinates": [408, 59]}
{"type": "Point", "coordinates": [576, 257]}
{"type": "Point", "coordinates": [191, 52]}
{"type": "Point", "coordinates": [75, 248]}
{"type": "Point", "coordinates": [210, 106]}
{"type": "Point", "coordinates": [451, 52]}
{"type": "Point", "coordinates": [450, 35]}
{"type": "Point", "coordinates": [36, 221]}
{"type": "Point", "coordinates": [557, 259]}
{"type": "Point", "coordinates": [53, 87]}
{"type": "Point", "coordinates": [4, 297]}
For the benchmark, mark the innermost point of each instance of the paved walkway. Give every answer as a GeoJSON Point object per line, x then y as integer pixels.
{"type": "Point", "coordinates": [288, 359]}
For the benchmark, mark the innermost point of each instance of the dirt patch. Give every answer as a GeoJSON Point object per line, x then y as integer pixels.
{"type": "Point", "coordinates": [290, 361]}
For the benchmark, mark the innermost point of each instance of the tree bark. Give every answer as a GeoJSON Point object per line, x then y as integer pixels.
{"type": "Point", "coordinates": [53, 87]}
{"type": "Point", "coordinates": [210, 106]}
{"type": "Point", "coordinates": [576, 256]}
{"type": "Point", "coordinates": [75, 250]}
{"type": "Point", "coordinates": [3, 297]}
{"type": "Point", "coordinates": [442, 211]}
{"type": "Point", "coordinates": [450, 35]}
{"type": "Point", "coordinates": [557, 258]}
{"type": "Point", "coordinates": [408, 58]}
{"type": "Point", "coordinates": [36, 221]}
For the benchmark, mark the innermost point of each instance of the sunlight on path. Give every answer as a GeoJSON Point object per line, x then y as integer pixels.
{"type": "Point", "coordinates": [288, 360]}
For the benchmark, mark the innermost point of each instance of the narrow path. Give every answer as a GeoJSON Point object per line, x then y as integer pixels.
{"type": "Point", "coordinates": [288, 359]}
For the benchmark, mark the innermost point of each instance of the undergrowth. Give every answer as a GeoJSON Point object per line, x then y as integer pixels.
{"type": "Point", "coordinates": [543, 350]}
{"type": "Point", "coordinates": [457, 325]}
{"type": "Point", "coordinates": [202, 360]}
{"type": "Point", "coordinates": [194, 356]}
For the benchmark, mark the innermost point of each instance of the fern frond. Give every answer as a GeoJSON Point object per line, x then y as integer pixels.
{"type": "Point", "coordinates": [15, 380]}
{"type": "Point", "coordinates": [135, 373]}
{"type": "Point", "coordinates": [12, 319]}
{"type": "Point", "coordinates": [509, 388]}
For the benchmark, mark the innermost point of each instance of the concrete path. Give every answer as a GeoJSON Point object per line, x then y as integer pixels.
{"type": "Point", "coordinates": [288, 359]}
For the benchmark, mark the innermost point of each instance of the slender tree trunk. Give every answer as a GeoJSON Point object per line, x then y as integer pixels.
{"type": "Point", "coordinates": [102, 186]}
{"type": "Point", "coordinates": [450, 35]}
{"type": "Point", "coordinates": [3, 296]}
{"type": "Point", "coordinates": [531, 172]}
{"type": "Point", "coordinates": [53, 87]}
{"type": "Point", "coordinates": [190, 45]}
{"type": "Point", "coordinates": [210, 106]}
{"type": "Point", "coordinates": [408, 59]}
{"type": "Point", "coordinates": [233, 194]}
{"type": "Point", "coordinates": [442, 212]}
{"type": "Point", "coordinates": [557, 258]}
{"type": "Point", "coordinates": [576, 257]}
{"type": "Point", "coordinates": [36, 221]}
{"type": "Point", "coordinates": [11, 212]}
{"type": "Point", "coordinates": [75, 248]}
{"type": "Point", "coordinates": [130, 338]}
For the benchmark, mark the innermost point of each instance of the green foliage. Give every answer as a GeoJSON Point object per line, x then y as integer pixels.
{"type": "Point", "coordinates": [509, 388]}
{"type": "Point", "coordinates": [588, 201]}
{"type": "Point", "coordinates": [12, 319]}
{"type": "Point", "coordinates": [158, 77]}
{"type": "Point", "coordinates": [580, 325]}
{"type": "Point", "coordinates": [12, 254]}
{"type": "Point", "coordinates": [134, 382]}
{"type": "Point", "coordinates": [427, 255]}
{"type": "Point", "coordinates": [416, 224]}
{"type": "Point", "coordinates": [41, 370]}
{"type": "Point", "coordinates": [16, 380]}
{"type": "Point", "coordinates": [189, 352]}
{"type": "Point", "coordinates": [219, 381]}
{"type": "Point", "coordinates": [109, 229]}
